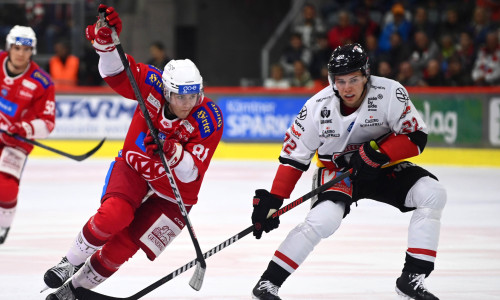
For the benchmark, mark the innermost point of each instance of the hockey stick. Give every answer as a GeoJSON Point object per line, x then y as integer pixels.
{"type": "Point", "coordinates": [197, 279]}
{"type": "Point", "coordinates": [84, 294]}
{"type": "Point", "coordinates": [71, 156]}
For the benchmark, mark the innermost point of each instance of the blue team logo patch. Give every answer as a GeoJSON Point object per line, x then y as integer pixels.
{"type": "Point", "coordinates": [24, 41]}
{"type": "Point", "coordinates": [42, 78]}
{"type": "Point", "coordinates": [154, 80]}
{"type": "Point", "coordinates": [204, 122]}
{"type": "Point", "coordinates": [7, 107]}
{"type": "Point", "coordinates": [189, 89]}
{"type": "Point", "coordinates": [4, 92]}
{"type": "Point", "coordinates": [139, 142]}
{"type": "Point", "coordinates": [217, 113]}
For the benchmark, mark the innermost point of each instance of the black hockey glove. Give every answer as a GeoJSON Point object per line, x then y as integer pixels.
{"type": "Point", "coordinates": [263, 202]}
{"type": "Point", "coordinates": [366, 162]}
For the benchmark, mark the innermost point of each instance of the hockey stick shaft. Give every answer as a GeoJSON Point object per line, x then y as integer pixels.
{"type": "Point", "coordinates": [85, 294]}
{"type": "Point", "coordinates": [197, 278]}
{"type": "Point", "coordinates": [65, 154]}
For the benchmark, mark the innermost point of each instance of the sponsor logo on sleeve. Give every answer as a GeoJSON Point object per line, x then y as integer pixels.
{"type": "Point", "coordinates": [154, 80]}
{"type": "Point", "coordinates": [217, 114]}
{"type": "Point", "coordinates": [42, 78]}
{"type": "Point", "coordinates": [204, 123]}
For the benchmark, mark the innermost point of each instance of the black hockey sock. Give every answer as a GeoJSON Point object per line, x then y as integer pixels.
{"type": "Point", "coordinates": [276, 274]}
{"type": "Point", "coordinates": [414, 265]}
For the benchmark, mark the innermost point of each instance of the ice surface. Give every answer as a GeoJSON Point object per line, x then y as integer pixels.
{"type": "Point", "coordinates": [360, 261]}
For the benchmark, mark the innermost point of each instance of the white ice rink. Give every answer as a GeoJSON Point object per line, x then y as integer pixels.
{"type": "Point", "coordinates": [361, 261]}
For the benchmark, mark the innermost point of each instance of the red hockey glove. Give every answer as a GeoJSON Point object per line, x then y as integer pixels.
{"type": "Point", "coordinates": [263, 204]}
{"type": "Point", "coordinates": [181, 133]}
{"type": "Point", "coordinates": [171, 148]}
{"type": "Point", "coordinates": [23, 129]}
{"type": "Point", "coordinates": [100, 33]}
{"type": "Point", "coordinates": [367, 161]}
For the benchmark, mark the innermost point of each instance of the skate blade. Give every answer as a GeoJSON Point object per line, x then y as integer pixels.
{"type": "Point", "coordinates": [44, 289]}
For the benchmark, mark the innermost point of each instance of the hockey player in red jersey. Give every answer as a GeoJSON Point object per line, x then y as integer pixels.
{"type": "Point", "coordinates": [138, 208]}
{"type": "Point", "coordinates": [367, 123]}
{"type": "Point", "coordinates": [27, 108]}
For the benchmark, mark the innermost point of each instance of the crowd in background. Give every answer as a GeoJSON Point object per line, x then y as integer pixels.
{"type": "Point", "coordinates": [418, 43]}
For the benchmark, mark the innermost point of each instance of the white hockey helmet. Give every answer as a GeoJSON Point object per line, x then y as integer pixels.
{"type": "Point", "coordinates": [182, 77]}
{"type": "Point", "coordinates": [21, 35]}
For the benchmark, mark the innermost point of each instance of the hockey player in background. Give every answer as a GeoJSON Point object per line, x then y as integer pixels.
{"type": "Point", "coordinates": [27, 108]}
{"type": "Point", "coordinates": [138, 209]}
{"type": "Point", "coordinates": [367, 123]}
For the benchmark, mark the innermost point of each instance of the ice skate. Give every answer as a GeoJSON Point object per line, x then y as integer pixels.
{"type": "Point", "coordinates": [63, 293]}
{"type": "Point", "coordinates": [57, 275]}
{"type": "Point", "coordinates": [411, 286]}
{"type": "Point", "coordinates": [265, 290]}
{"type": "Point", "coordinates": [3, 234]}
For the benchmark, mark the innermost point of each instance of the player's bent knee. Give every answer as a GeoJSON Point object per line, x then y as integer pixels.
{"type": "Point", "coordinates": [325, 218]}
{"type": "Point", "coordinates": [10, 188]}
{"type": "Point", "coordinates": [428, 193]}
{"type": "Point", "coordinates": [113, 215]}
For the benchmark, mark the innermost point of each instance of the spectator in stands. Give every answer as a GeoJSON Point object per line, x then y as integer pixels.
{"type": "Point", "coordinates": [366, 26]}
{"type": "Point", "coordinates": [479, 26]}
{"type": "Point", "coordinates": [308, 25]}
{"type": "Point", "coordinates": [455, 74]}
{"type": "Point", "coordinates": [371, 49]}
{"type": "Point", "coordinates": [276, 80]}
{"type": "Point", "coordinates": [301, 76]}
{"type": "Point", "coordinates": [399, 24]}
{"type": "Point", "coordinates": [344, 32]}
{"type": "Point", "coordinates": [384, 69]}
{"type": "Point", "coordinates": [406, 76]}
{"type": "Point", "coordinates": [486, 69]}
{"type": "Point", "coordinates": [321, 53]}
{"type": "Point", "coordinates": [466, 51]}
{"type": "Point", "coordinates": [451, 25]}
{"type": "Point", "coordinates": [295, 50]}
{"type": "Point", "coordinates": [399, 51]}
{"type": "Point", "coordinates": [158, 53]}
{"type": "Point", "coordinates": [447, 49]}
{"type": "Point", "coordinates": [421, 22]}
{"type": "Point", "coordinates": [433, 76]}
{"type": "Point", "coordinates": [64, 66]}
{"type": "Point", "coordinates": [424, 50]}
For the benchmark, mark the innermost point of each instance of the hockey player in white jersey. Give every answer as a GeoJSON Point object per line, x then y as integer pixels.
{"type": "Point", "coordinates": [367, 123]}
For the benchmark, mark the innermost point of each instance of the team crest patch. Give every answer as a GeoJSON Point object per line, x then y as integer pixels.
{"type": "Point", "coordinates": [204, 122]}
{"type": "Point", "coordinates": [154, 80]}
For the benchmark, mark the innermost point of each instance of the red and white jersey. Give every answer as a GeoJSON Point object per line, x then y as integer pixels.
{"type": "Point", "coordinates": [205, 121]}
{"type": "Point", "coordinates": [320, 126]}
{"type": "Point", "coordinates": [28, 97]}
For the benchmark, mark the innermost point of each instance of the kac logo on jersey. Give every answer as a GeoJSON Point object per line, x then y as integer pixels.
{"type": "Point", "coordinates": [189, 89]}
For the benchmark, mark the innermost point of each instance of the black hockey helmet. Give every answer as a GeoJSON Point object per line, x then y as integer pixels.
{"type": "Point", "coordinates": [347, 59]}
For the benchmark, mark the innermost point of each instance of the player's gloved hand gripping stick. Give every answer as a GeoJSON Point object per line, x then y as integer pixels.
{"type": "Point", "coordinates": [84, 294]}
{"type": "Point", "coordinates": [197, 279]}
